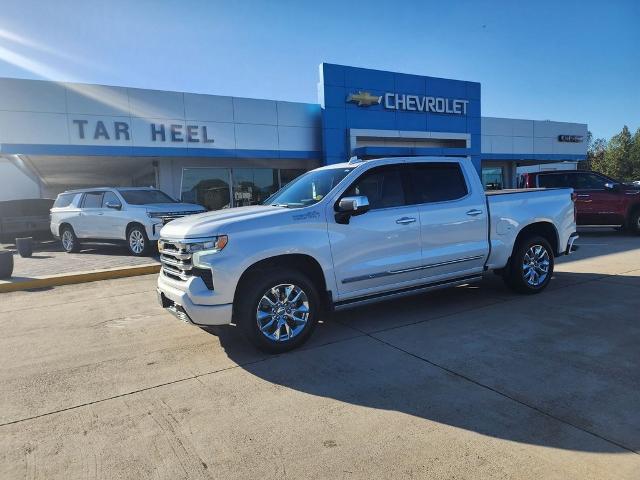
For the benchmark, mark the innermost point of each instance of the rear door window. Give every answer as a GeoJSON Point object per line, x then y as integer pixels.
{"type": "Point", "coordinates": [92, 200]}
{"type": "Point", "coordinates": [557, 180]}
{"type": "Point", "coordinates": [436, 182]}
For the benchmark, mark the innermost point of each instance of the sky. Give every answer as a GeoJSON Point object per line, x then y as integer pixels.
{"type": "Point", "coordinates": [559, 60]}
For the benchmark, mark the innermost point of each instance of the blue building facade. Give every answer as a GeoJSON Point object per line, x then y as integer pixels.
{"type": "Point", "coordinates": [55, 135]}
{"type": "Point", "coordinates": [417, 108]}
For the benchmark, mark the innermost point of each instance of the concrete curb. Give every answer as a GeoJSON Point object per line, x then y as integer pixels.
{"type": "Point", "coordinates": [79, 277]}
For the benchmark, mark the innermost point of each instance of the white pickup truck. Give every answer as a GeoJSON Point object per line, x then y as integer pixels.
{"type": "Point", "coordinates": [353, 233]}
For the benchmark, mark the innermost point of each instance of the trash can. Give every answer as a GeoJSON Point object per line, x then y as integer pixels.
{"type": "Point", "coordinates": [24, 246]}
{"type": "Point", "coordinates": [6, 264]}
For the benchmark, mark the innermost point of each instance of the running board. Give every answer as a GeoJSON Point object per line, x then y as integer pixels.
{"type": "Point", "coordinates": [378, 297]}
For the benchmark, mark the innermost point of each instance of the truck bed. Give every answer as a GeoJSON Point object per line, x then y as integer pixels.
{"type": "Point", "coordinates": [511, 210]}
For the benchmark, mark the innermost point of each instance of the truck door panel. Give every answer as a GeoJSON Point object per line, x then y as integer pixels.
{"type": "Point", "coordinates": [380, 249]}
{"type": "Point", "coordinates": [453, 220]}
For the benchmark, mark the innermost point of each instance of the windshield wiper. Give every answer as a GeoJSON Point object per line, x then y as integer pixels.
{"type": "Point", "coordinates": [280, 205]}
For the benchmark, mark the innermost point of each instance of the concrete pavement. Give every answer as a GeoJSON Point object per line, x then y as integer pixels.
{"type": "Point", "coordinates": [475, 382]}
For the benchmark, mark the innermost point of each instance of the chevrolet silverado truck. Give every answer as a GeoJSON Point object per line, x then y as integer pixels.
{"type": "Point", "coordinates": [600, 200]}
{"type": "Point", "coordinates": [353, 233]}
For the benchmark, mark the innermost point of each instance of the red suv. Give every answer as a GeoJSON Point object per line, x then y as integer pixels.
{"type": "Point", "coordinates": [600, 200]}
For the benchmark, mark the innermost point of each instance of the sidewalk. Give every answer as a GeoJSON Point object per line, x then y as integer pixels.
{"type": "Point", "coordinates": [50, 265]}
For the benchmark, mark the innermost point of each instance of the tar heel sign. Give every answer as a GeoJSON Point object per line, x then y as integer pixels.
{"type": "Point", "coordinates": [411, 103]}
{"type": "Point", "coordinates": [118, 131]}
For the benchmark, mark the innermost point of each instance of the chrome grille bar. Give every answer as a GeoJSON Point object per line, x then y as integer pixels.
{"type": "Point", "coordinates": [175, 260]}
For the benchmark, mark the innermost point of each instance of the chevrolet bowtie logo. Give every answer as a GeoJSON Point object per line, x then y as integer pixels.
{"type": "Point", "coordinates": [364, 99]}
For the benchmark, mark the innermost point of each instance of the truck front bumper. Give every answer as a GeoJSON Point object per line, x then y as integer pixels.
{"type": "Point", "coordinates": [179, 300]}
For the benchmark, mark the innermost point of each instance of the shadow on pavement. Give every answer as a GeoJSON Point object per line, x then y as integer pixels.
{"type": "Point", "coordinates": [520, 368]}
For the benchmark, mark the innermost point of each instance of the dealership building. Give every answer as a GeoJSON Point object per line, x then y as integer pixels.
{"type": "Point", "coordinates": [229, 151]}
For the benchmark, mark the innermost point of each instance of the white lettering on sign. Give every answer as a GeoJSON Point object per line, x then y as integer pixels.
{"type": "Point", "coordinates": [422, 103]}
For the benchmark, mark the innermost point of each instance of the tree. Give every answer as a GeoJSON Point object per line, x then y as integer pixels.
{"type": "Point", "coordinates": [595, 153]}
{"type": "Point", "coordinates": [618, 158]}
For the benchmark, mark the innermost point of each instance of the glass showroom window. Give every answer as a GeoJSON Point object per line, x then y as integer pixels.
{"type": "Point", "coordinates": [493, 178]}
{"type": "Point", "coordinates": [289, 174]}
{"type": "Point", "coordinates": [251, 186]}
{"type": "Point", "coordinates": [209, 187]}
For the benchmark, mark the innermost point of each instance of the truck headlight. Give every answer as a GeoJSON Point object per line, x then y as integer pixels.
{"type": "Point", "coordinates": [212, 245]}
{"type": "Point", "coordinates": [206, 248]}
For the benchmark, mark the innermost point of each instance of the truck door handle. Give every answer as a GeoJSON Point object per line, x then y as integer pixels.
{"type": "Point", "coordinates": [583, 196]}
{"type": "Point", "coordinates": [405, 220]}
{"type": "Point", "coordinates": [474, 212]}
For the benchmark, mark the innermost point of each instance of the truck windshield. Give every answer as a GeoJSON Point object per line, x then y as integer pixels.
{"type": "Point", "coordinates": [145, 197]}
{"type": "Point", "coordinates": [308, 189]}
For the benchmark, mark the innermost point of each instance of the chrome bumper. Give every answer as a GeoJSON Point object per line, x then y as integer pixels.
{"type": "Point", "coordinates": [178, 302]}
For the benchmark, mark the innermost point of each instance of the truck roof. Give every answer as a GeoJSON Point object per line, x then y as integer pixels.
{"type": "Point", "coordinates": [354, 162]}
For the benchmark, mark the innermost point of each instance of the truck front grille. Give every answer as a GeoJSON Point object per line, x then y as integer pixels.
{"type": "Point", "coordinates": [176, 263]}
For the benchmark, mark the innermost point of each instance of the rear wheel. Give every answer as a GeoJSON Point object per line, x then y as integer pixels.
{"type": "Point", "coordinates": [68, 239]}
{"type": "Point", "coordinates": [137, 241]}
{"type": "Point", "coordinates": [634, 222]}
{"type": "Point", "coordinates": [277, 310]}
{"type": "Point", "coordinates": [531, 266]}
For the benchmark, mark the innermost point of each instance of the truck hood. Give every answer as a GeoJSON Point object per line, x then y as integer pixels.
{"type": "Point", "coordinates": [210, 224]}
{"type": "Point", "coordinates": [172, 207]}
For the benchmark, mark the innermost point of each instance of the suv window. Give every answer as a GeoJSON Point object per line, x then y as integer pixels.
{"type": "Point", "coordinates": [64, 200]}
{"type": "Point", "coordinates": [92, 200]}
{"type": "Point", "coordinates": [381, 185]}
{"type": "Point", "coordinates": [589, 181]}
{"type": "Point", "coordinates": [436, 182]}
{"type": "Point", "coordinates": [557, 180]}
{"type": "Point", "coordinates": [110, 197]}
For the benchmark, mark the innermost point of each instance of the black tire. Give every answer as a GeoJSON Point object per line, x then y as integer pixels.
{"type": "Point", "coordinates": [137, 241]}
{"type": "Point", "coordinates": [516, 272]}
{"type": "Point", "coordinates": [6, 264]}
{"type": "Point", "coordinates": [633, 224]}
{"type": "Point", "coordinates": [68, 239]}
{"type": "Point", "coordinates": [250, 299]}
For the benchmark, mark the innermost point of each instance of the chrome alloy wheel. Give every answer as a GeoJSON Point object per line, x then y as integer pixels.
{"type": "Point", "coordinates": [282, 312]}
{"type": "Point", "coordinates": [67, 240]}
{"type": "Point", "coordinates": [136, 241]}
{"type": "Point", "coordinates": [535, 265]}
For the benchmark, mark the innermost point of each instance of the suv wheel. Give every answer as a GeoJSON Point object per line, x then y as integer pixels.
{"type": "Point", "coordinates": [634, 222]}
{"type": "Point", "coordinates": [69, 241]}
{"type": "Point", "coordinates": [277, 310]}
{"type": "Point", "coordinates": [531, 266]}
{"type": "Point", "coordinates": [137, 241]}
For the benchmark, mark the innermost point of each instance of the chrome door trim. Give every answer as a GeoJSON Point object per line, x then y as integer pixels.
{"type": "Point", "coordinates": [412, 269]}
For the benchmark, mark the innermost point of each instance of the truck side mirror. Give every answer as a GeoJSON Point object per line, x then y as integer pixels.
{"type": "Point", "coordinates": [614, 187]}
{"type": "Point", "coordinates": [351, 206]}
{"type": "Point", "coordinates": [114, 205]}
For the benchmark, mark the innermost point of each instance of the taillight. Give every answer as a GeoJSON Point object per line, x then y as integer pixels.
{"type": "Point", "coordinates": [574, 197]}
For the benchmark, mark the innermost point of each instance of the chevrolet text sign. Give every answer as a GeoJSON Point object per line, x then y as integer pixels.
{"type": "Point", "coordinates": [421, 103]}
{"type": "Point", "coordinates": [412, 103]}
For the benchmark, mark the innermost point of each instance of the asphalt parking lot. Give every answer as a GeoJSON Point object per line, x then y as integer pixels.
{"type": "Point", "coordinates": [96, 381]}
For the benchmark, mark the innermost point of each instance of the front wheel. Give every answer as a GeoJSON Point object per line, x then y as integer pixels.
{"type": "Point", "coordinates": [531, 266]}
{"type": "Point", "coordinates": [137, 241]}
{"type": "Point", "coordinates": [277, 310]}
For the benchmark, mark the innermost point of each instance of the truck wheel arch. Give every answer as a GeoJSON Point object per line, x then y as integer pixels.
{"type": "Point", "coordinates": [544, 229]}
{"type": "Point", "coordinates": [297, 261]}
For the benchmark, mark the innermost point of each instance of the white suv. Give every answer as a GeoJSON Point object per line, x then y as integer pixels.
{"type": "Point", "coordinates": [131, 215]}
